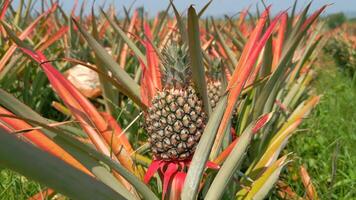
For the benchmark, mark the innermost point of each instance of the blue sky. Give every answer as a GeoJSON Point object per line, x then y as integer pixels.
{"type": "Point", "coordinates": [219, 7]}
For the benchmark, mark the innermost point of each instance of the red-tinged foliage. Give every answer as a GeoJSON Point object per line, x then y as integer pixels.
{"type": "Point", "coordinates": [241, 23]}
{"type": "Point", "coordinates": [312, 18]}
{"type": "Point", "coordinates": [172, 168]}
{"type": "Point", "coordinates": [207, 44]}
{"type": "Point", "coordinates": [279, 41]}
{"type": "Point", "coordinates": [36, 137]}
{"type": "Point", "coordinates": [4, 9]}
{"type": "Point", "coordinates": [168, 171]}
{"type": "Point", "coordinates": [23, 35]}
{"type": "Point", "coordinates": [89, 118]}
{"type": "Point", "coordinates": [249, 47]}
{"type": "Point", "coordinates": [151, 74]}
{"type": "Point", "coordinates": [118, 133]}
{"type": "Point", "coordinates": [44, 194]}
{"type": "Point", "coordinates": [252, 78]}
{"type": "Point", "coordinates": [310, 189]}
{"type": "Point", "coordinates": [260, 123]}
{"type": "Point", "coordinates": [243, 71]}
{"type": "Point", "coordinates": [152, 59]}
{"type": "Point", "coordinates": [103, 29]}
{"type": "Point", "coordinates": [147, 90]}
{"type": "Point", "coordinates": [125, 49]}
{"type": "Point", "coordinates": [74, 8]}
{"type": "Point", "coordinates": [177, 185]}
{"type": "Point", "coordinates": [53, 38]}
{"type": "Point", "coordinates": [282, 106]}
{"type": "Point", "coordinates": [94, 124]}
{"type": "Point", "coordinates": [286, 192]}
{"type": "Point", "coordinates": [224, 154]}
{"type": "Point", "coordinates": [221, 50]}
{"type": "Point", "coordinates": [227, 74]}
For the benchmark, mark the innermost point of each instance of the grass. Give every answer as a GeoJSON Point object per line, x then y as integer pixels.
{"type": "Point", "coordinates": [16, 187]}
{"type": "Point", "coordinates": [327, 148]}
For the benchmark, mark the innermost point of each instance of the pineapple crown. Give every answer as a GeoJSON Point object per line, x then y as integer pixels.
{"type": "Point", "coordinates": [215, 70]}
{"type": "Point", "coordinates": [175, 66]}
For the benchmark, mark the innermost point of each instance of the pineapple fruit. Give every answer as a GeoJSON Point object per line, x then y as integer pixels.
{"type": "Point", "coordinates": [176, 119]}
{"type": "Point", "coordinates": [214, 84]}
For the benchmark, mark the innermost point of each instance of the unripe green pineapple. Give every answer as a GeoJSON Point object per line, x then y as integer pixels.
{"type": "Point", "coordinates": [176, 119]}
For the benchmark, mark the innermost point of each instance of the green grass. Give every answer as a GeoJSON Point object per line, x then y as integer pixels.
{"type": "Point", "coordinates": [327, 144]}
{"type": "Point", "coordinates": [16, 187]}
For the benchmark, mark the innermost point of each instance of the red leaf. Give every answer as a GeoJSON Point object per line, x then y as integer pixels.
{"type": "Point", "coordinates": [152, 169]}
{"type": "Point", "coordinates": [278, 43]}
{"type": "Point", "coordinates": [261, 122]}
{"type": "Point", "coordinates": [125, 48]}
{"type": "Point", "coordinates": [152, 60]}
{"type": "Point", "coordinates": [37, 138]}
{"type": "Point", "coordinates": [118, 132]}
{"type": "Point", "coordinates": [22, 36]}
{"type": "Point", "coordinates": [53, 38]}
{"type": "Point", "coordinates": [212, 165]}
{"type": "Point", "coordinates": [44, 194]}
{"type": "Point", "coordinates": [253, 39]}
{"type": "Point", "coordinates": [4, 9]}
{"type": "Point", "coordinates": [313, 17]}
{"type": "Point", "coordinates": [177, 185]}
{"type": "Point", "coordinates": [146, 85]}
{"type": "Point", "coordinates": [172, 168]}
{"type": "Point", "coordinates": [224, 154]}
{"type": "Point", "coordinates": [90, 119]}
{"type": "Point", "coordinates": [103, 29]}
{"type": "Point", "coordinates": [242, 73]}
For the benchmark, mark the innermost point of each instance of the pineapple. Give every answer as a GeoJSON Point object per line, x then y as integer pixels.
{"type": "Point", "coordinates": [214, 85]}
{"type": "Point", "coordinates": [214, 92]}
{"type": "Point", "coordinates": [176, 119]}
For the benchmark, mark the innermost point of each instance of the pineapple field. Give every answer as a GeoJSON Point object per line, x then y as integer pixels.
{"type": "Point", "coordinates": [101, 102]}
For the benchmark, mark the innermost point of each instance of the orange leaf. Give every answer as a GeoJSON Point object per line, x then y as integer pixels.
{"type": "Point", "coordinates": [22, 36]}
{"type": "Point", "coordinates": [310, 189]}
{"type": "Point", "coordinates": [39, 139]}
{"type": "Point", "coordinates": [242, 73]}
{"type": "Point", "coordinates": [53, 38]}
{"type": "Point", "coordinates": [42, 194]}
{"type": "Point", "coordinates": [126, 48]}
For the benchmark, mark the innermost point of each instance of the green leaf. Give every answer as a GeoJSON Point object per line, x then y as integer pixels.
{"type": "Point", "coordinates": [51, 171]}
{"type": "Point", "coordinates": [202, 152]}
{"type": "Point", "coordinates": [201, 12]}
{"type": "Point", "coordinates": [128, 86]}
{"type": "Point", "coordinates": [87, 152]}
{"type": "Point", "coordinates": [128, 41]}
{"type": "Point", "coordinates": [161, 20]}
{"type": "Point", "coordinates": [227, 49]}
{"type": "Point", "coordinates": [196, 58]}
{"type": "Point", "coordinates": [109, 93]}
{"type": "Point", "coordinates": [181, 24]}
{"type": "Point", "coordinates": [231, 164]}
{"type": "Point", "coordinates": [261, 187]}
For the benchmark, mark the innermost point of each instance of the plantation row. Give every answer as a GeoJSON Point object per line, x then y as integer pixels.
{"type": "Point", "coordinates": [177, 107]}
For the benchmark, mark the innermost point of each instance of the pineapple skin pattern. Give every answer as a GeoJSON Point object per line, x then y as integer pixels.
{"type": "Point", "coordinates": [175, 123]}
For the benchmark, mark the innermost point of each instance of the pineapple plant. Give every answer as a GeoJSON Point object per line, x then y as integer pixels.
{"type": "Point", "coordinates": [175, 120]}
{"type": "Point", "coordinates": [115, 165]}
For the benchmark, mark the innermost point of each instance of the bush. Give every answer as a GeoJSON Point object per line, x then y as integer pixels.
{"type": "Point", "coordinates": [336, 20]}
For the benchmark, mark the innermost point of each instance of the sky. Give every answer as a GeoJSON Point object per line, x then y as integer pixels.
{"type": "Point", "coordinates": [217, 7]}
